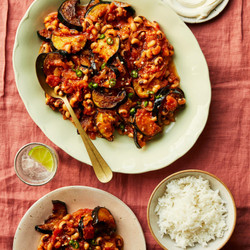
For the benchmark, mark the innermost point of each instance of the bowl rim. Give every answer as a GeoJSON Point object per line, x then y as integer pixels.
{"type": "Point", "coordinates": [191, 171]}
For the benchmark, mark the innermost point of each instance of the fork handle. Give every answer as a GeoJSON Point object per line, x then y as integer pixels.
{"type": "Point", "coordinates": [101, 168]}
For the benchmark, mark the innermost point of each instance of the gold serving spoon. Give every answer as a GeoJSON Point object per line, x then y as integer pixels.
{"type": "Point", "coordinates": [101, 168]}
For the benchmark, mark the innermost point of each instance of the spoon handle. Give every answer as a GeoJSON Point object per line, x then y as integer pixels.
{"type": "Point", "coordinates": [101, 168]}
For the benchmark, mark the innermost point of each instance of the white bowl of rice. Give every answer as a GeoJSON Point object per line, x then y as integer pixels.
{"type": "Point", "coordinates": [191, 209]}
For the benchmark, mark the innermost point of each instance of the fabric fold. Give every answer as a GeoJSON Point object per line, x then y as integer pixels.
{"type": "Point", "coordinates": [3, 33]}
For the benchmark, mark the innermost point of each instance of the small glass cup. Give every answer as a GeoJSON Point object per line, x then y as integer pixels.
{"type": "Point", "coordinates": [30, 171]}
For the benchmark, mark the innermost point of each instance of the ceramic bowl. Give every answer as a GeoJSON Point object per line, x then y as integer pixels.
{"type": "Point", "coordinates": [214, 13]}
{"type": "Point", "coordinates": [215, 183]}
{"type": "Point", "coordinates": [77, 197]}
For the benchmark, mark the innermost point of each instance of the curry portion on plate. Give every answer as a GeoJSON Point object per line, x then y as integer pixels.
{"type": "Point", "coordinates": [116, 69]}
{"type": "Point", "coordinates": [89, 229]}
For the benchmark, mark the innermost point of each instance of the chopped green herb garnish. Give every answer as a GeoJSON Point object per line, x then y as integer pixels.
{"type": "Point", "coordinates": [145, 104]}
{"type": "Point", "coordinates": [90, 85]}
{"type": "Point", "coordinates": [79, 73]}
{"type": "Point", "coordinates": [102, 36]}
{"type": "Point", "coordinates": [93, 243]}
{"type": "Point", "coordinates": [130, 95]}
{"type": "Point", "coordinates": [74, 244]}
{"type": "Point", "coordinates": [151, 92]}
{"type": "Point", "coordinates": [109, 41]}
{"type": "Point", "coordinates": [132, 111]}
{"type": "Point", "coordinates": [112, 82]}
{"type": "Point", "coordinates": [95, 85]}
{"type": "Point", "coordinates": [134, 73]}
{"type": "Point", "coordinates": [122, 127]}
{"type": "Point", "coordinates": [103, 66]}
{"type": "Point", "coordinates": [158, 96]}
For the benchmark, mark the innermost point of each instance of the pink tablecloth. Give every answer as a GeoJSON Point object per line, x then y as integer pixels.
{"type": "Point", "coordinates": [222, 149]}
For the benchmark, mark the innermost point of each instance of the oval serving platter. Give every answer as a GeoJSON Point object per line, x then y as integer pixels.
{"type": "Point", "coordinates": [175, 140]}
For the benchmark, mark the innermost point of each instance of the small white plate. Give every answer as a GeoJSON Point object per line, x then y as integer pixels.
{"type": "Point", "coordinates": [215, 183]}
{"type": "Point", "coordinates": [121, 154]}
{"type": "Point", "coordinates": [215, 12]}
{"type": "Point", "coordinates": [76, 197]}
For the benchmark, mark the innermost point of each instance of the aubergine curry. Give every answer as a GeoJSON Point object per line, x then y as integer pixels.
{"type": "Point", "coordinates": [116, 69]}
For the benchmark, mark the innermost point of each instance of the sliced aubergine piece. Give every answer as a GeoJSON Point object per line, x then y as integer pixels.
{"type": "Point", "coordinates": [126, 6]}
{"type": "Point", "coordinates": [171, 102]}
{"type": "Point", "coordinates": [59, 209]}
{"type": "Point", "coordinates": [93, 64]}
{"type": "Point", "coordinates": [45, 228]}
{"type": "Point", "coordinates": [92, 3]}
{"type": "Point", "coordinates": [140, 89]}
{"type": "Point", "coordinates": [122, 60]}
{"type": "Point", "coordinates": [146, 123]}
{"type": "Point", "coordinates": [111, 71]}
{"type": "Point", "coordinates": [124, 110]}
{"type": "Point", "coordinates": [80, 227]}
{"type": "Point", "coordinates": [97, 10]}
{"type": "Point", "coordinates": [49, 61]}
{"type": "Point", "coordinates": [67, 14]}
{"type": "Point", "coordinates": [84, 58]}
{"type": "Point", "coordinates": [118, 65]}
{"type": "Point", "coordinates": [44, 34]}
{"type": "Point", "coordinates": [58, 212]}
{"type": "Point", "coordinates": [108, 98]}
{"type": "Point", "coordinates": [178, 92]}
{"type": "Point", "coordinates": [161, 94]}
{"type": "Point", "coordinates": [103, 220]}
{"type": "Point", "coordinates": [85, 62]}
{"type": "Point", "coordinates": [86, 232]}
{"type": "Point", "coordinates": [138, 139]}
{"type": "Point", "coordinates": [62, 42]}
{"type": "Point", "coordinates": [107, 47]}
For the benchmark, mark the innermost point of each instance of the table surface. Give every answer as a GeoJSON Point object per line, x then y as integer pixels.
{"type": "Point", "coordinates": [222, 149]}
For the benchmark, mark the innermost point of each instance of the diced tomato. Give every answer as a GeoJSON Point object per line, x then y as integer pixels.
{"type": "Point", "coordinates": [146, 123]}
{"type": "Point", "coordinates": [171, 103]}
{"type": "Point", "coordinates": [53, 80]}
{"type": "Point", "coordinates": [82, 213]}
{"type": "Point", "coordinates": [88, 232]}
{"type": "Point", "coordinates": [57, 232]}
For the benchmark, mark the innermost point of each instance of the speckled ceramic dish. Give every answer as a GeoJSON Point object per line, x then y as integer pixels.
{"type": "Point", "coordinates": [76, 197]}
{"type": "Point", "coordinates": [215, 183]}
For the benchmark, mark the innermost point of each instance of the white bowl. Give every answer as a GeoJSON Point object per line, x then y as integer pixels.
{"type": "Point", "coordinates": [76, 197]}
{"type": "Point", "coordinates": [214, 13]}
{"type": "Point", "coordinates": [215, 183]}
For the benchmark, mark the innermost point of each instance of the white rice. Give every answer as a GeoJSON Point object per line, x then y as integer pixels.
{"type": "Point", "coordinates": [191, 212]}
